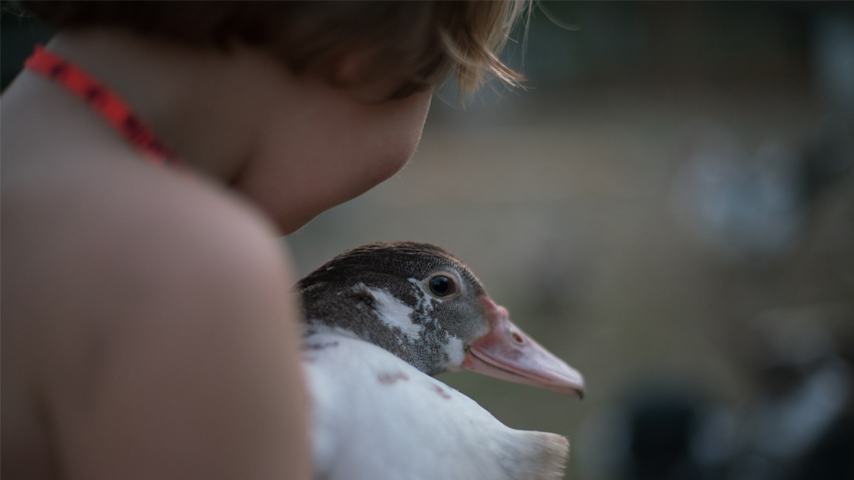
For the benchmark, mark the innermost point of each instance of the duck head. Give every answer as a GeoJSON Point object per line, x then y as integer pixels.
{"type": "Point", "coordinates": [424, 305]}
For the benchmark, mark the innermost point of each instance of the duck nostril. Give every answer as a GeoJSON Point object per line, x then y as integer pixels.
{"type": "Point", "coordinates": [518, 338]}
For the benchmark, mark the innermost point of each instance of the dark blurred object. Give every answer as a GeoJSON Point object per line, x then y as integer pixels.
{"type": "Point", "coordinates": [662, 431]}
{"type": "Point", "coordinates": [19, 31]}
{"type": "Point", "coordinates": [800, 424]}
{"type": "Point", "coordinates": [833, 457]}
{"type": "Point", "coordinates": [803, 384]}
{"type": "Point", "coordinates": [830, 153]}
{"type": "Point", "coordinates": [833, 52]}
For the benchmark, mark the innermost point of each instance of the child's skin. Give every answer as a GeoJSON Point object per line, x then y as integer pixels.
{"type": "Point", "coordinates": [147, 327]}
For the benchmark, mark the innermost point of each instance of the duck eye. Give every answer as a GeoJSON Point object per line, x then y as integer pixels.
{"type": "Point", "coordinates": [442, 286]}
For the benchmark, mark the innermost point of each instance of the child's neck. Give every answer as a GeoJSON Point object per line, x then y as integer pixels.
{"type": "Point", "coordinates": [191, 98]}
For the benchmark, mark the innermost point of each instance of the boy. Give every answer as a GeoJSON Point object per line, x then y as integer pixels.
{"type": "Point", "coordinates": [147, 332]}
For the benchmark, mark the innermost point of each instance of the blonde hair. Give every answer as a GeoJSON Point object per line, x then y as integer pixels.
{"type": "Point", "coordinates": [423, 41]}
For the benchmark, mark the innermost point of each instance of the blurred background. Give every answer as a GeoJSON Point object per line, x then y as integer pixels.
{"type": "Point", "coordinates": [669, 206]}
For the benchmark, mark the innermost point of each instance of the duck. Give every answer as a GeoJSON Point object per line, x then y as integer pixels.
{"type": "Point", "coordinates": [380, 321]}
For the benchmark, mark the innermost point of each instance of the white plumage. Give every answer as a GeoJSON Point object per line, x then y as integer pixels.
{"type": "Point", "coordinates": [380, 418]}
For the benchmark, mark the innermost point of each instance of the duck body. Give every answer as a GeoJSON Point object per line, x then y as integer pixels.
{"type": "Point", "coordinates": [376, 416]}
{"type": "Point", "coordinates": [380, 321]}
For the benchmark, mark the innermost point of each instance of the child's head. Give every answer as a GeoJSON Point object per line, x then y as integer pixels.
{"type": "Point", "coordinates": [347, 113]}
{"type": "Point", "coordinates": [418, 42]}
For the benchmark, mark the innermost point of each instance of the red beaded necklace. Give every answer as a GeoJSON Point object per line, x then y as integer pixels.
{"type": "Point", "coordinates": [102, 100]}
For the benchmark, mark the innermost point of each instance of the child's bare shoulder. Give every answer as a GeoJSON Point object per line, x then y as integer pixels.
{"type": "Point", "coordinates": [155, 227]}
{"type": "Point", "coordinates": [129, 244]}
{"type": "Point", "coordinates": [136, 282]}
{"type": "Point", "coordinates": [170, 236]}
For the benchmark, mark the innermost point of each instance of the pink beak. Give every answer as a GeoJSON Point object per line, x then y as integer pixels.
{"type": "Point", "coordinates": [507, 353]}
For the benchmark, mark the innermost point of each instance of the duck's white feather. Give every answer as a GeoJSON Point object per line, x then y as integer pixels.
{"type": "Point", "coordinates": [377, 417]}
{"type": "Point", "coordinates": [392, 311]}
